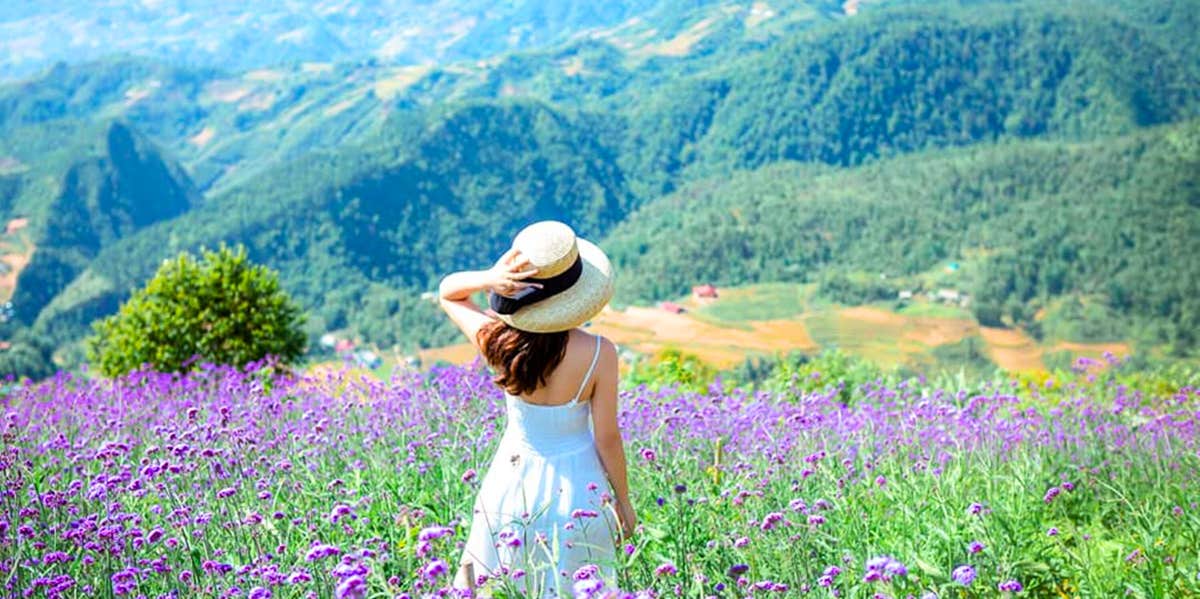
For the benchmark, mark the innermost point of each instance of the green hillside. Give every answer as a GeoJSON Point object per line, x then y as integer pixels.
{"type": "Point", "coordinates": [1049, 150]}
{"type": "Point", "coordinates": [908, 80]}
{"type": "Point", "coordinates": [1114, 223]}
{"type": "Point", "coordinates": [376, 225]}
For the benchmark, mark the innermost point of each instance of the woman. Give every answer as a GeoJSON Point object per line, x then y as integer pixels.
{"type": "Point", "coordinates": [546, 505]}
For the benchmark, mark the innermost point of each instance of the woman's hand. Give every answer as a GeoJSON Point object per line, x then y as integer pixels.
{"type": "Point", "coordinates": [627, 519]}
{"type": "Point", "coordinates": [508, 276]}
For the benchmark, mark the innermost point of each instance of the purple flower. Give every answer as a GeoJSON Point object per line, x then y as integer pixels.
{"type": "Point", "coordinates": [435, 569]}
{"type": "Point", "coordinates": [884, 567]}
{"type": "Point", "coordinates": [587, 588]}
{"type": "Point", "coordinates": [469, 475]}
{"type": "Point", "coordinates": [975, 547]}
{"type": "Point", "coordinates": [585, 572]}
{"type": "Point", "coordinates": [975, 509]}
{"type": "Point", "coordinates": [1010, 586]}
{"type": "Point", "coordinates": [431, 533]}
{"type": "Point", "coordinates": [666, 569]}
{"type": "Point", "coordinates": [738, 569]}
{"type": "Point", "coordinates": [226, 492]}
{"type": "Point", "coordinates": [299, 577]}
{"type": "Point", "coordinates": [1052, 532]}
{"type": "Point", "coordinates": [770, 520]}
{"type": "Point", "coordinates": [260, 593]}
{"type": "Point", "coordinates": [963, 575]}
{"type": "Point", "coordinates": [509, 538]}
{"type": "Point", "coordinates": [56, 557]}
{"type": "Point", "coordinates": [354, 587]}
{"type": "Point", "coordinates": [321, 551]}
{"type": "Point", "coordinates": [581, 513]}
{"type": "Point", "coordinates": [1051, 493]}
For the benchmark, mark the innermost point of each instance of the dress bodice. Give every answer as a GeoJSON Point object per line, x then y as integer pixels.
{"type": "Point", "coordinates": [548, 429]}
{"type": "Point", "coordinates": [551, 429]}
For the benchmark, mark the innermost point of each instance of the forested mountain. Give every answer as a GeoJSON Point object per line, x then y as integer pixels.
{"type": "Point", "coordinates": [110, 193]}
{"type": "Point", "coordinates": [395, 216]}
{"type": "Point", "coordinates": [1113, 223]}
{"type": "Point", "coordinates": [903, 81]}
{"type": "Point", "coordinates": [1051, 149]}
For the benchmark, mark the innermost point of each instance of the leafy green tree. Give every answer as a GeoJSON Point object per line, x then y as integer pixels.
{"type": "Point", "coordinates": [220, 308]}
{"type": "Point", "coordinates": [672, 367]}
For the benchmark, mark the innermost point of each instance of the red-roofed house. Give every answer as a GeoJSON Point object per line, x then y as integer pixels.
{"type": "Point", "coordinates": [701, 292]}
{"type": "Point", "coordinates": [343, 345]}
{"type": "Point", "coordinates": [671, 307]}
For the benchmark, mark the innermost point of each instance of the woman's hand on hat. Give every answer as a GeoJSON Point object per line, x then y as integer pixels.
{"type": "Point", "coordinates": [507, 276]}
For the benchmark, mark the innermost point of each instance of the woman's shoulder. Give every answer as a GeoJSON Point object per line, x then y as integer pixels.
{"type": "Point", "coordinates": [596, 346]}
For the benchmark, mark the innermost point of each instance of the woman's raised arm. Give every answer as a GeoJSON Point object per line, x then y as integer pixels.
{"type": "Point", "coordinates": [505, 277]}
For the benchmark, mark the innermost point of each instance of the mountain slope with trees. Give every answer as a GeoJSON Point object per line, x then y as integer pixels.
{"type": "Point", "coordinates": [1113, 223]}
{"type": "Point", "coordinates": [361, 183]}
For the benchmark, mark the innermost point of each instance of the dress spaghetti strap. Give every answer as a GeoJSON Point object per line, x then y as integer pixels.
{"type": "Point", "coordinates": [591, 369]}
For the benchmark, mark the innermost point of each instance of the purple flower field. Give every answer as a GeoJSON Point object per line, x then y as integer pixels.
{"type": "Point", "coordinates": [223, 483]}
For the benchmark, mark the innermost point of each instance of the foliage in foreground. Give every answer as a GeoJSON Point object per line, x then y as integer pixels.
{"type": "Point", "coordinates": [238, 483]}
{"type": "Point", "coordinates": [220, 308]}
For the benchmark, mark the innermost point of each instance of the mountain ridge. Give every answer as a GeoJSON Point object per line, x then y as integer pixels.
{"type": "Point", "coordinates": [363, 183]}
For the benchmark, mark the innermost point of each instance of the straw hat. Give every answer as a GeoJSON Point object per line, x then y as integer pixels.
{"type": "Point", "coordinates": [576, 277]}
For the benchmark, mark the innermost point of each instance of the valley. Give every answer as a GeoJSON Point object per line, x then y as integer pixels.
{"type": "Point", "coordinates": [724, 332]}
{"type": "Point", "coordinates": [1050, 150]}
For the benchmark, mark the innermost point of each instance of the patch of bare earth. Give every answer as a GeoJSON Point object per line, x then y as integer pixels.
{"type": "Point", "coordinates": [874, 315]}
{"type": "Point", "coordinates": [202, 138]}
{"type": "Point", "coordinates": [10, 165]}
{"type": "Point", "coordinates": [14, 261]}
{"type": "Point", "coordinates": [573, 67]}
{"type": "Point", "coordinates": [258, 102]}
{"type": "Point", "coordinates": [399, 80]}
{"type": "Point", "coordinates": [228, 91]}
{"type": "Point", "coordinates": [759, 12]}
{"type": "Point", "coordinates": [1012, 349]}
{"type": "Point", "coordinates": [650, 330]}
{"type": "Point", "coordinates": [681, 45]}
{"type": "Point", "coordinates": [461, 353]}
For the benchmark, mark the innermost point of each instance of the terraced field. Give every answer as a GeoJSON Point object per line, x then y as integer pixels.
{"type": "Point", "coordinates": [778, 318]}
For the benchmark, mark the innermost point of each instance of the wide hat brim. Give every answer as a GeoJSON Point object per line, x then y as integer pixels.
{"type": "Point", "coordinates": [577, 304]}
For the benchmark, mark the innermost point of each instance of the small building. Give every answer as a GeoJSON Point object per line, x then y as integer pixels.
{"type": "Point", "coordinates": [328, 340]}
{"type": "Point", "coordinates": [905, 295]}
{"type": "Point", "coordinates": [343, 345]}
{"type": "Point", "coordinates": [672, 307]}
{"type": "Point", "coordinates": [950, 296]}
{"type": "Point", "coordinates": [703, 292]}
{"type": "Point", "coordinates": [367, 359]}
{"type": "Point", "coordinates": [15, 225]}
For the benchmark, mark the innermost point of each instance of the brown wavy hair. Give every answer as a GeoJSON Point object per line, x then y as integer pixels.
{"type": "Point", "coordinates": [521, 360]}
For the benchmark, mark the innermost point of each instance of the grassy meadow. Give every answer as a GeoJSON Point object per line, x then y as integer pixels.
{"type": "Point", "coordinates": [247, 484]}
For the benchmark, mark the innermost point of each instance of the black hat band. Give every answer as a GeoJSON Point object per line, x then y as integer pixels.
{"type": "Point", "coordinates": [550, 287]}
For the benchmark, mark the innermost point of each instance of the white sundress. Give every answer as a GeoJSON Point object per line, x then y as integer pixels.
{"type": "Point", "coordinates": [539, 515]}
